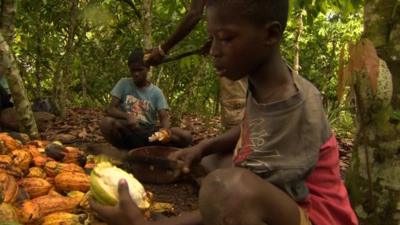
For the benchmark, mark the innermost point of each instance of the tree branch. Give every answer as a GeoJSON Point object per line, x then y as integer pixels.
{"type": "Point", "coordinates": [130, 3]}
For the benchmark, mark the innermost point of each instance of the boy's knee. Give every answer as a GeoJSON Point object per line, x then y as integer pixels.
{"type": "Point", "coordinates": [222, 192]}
{"type": "Point", "coordinates": [106, 124]}
{"type": "Point", "coordinates": [184, 137]}
{"type": "Point", "coordinates": [232, 181]}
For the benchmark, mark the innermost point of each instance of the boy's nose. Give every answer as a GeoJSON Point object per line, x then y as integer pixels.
{"type": "Point", "coordinates": [215, 49]}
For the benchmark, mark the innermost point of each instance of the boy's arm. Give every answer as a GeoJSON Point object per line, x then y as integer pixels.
{"type": "Point", "coordinates": [114, 111]}
{"type": "Point", "coordinates": [223, 143]}
{"type": "Point", "coordinates": [187, 24]}
{"type": "Point", "coordinates": [164, 118]}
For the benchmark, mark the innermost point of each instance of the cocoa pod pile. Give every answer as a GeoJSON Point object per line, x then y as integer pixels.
{"type": "Point", "coordinates": [42, 189]}
{"type": "Point", "coordinates": [44, 183]}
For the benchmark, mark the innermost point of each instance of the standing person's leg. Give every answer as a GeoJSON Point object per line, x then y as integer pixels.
{"type": "Point", "coordinates": [238, 196]}
{"type": "Point", "coordinates": [233, 101]}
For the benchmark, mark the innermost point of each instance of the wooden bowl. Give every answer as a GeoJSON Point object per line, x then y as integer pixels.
{"type": "Point", "coordinates": [151, 165]}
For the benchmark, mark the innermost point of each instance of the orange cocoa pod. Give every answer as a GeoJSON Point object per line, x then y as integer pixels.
{"type": "Point", "coordinates": [8, 188]}
{"type": "Point", "coordinates": [33, 150]}
{"type": "Point", "coordinates": [38, 143]}
{"type": "Point", "coordinates": [50, 180]}
{"type": "Point", "coordinates": [74, 155]}
{"type": "Point", "coordinates": [72, 150]}
{"type": "Point", "coordinates": [53, 168]}
{"type": "Point", "coordinates": [40, 161]}
{"type": "Point", "coordinates": [51, 204]}
{"type": "Point", "coordinates": [70, 181]}
{"type": "Point", "coordinates": [63, 218]}
{"type": "Point", "coordinates": [53, 192]}
{"type": "Point", "coordinates": [22, 159]}
{"type": "Point", "coordinates": [9, 142]}
{"type": "Point", "coordinates": [6, 159]}
{"type": "Point", "coordinates": [36, 187]}
{"type": "Point", "coordinates": [28, 212]}
{"type": "Point", "coordinates": [36, 172]}
{"type": "Point", "coordinates": [11, 170]}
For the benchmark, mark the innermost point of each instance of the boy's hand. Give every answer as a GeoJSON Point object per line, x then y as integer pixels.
{"type": "Point", "coordinates": [187, 157]}
{"type": "Point", "coordinates": [132, 122]}
{"type": "Point", "coordinates": [163, 136]}
{"type": "Point", "coordinates": [125, 213]}
{"type": "Point", "coordinates": [154, 56]}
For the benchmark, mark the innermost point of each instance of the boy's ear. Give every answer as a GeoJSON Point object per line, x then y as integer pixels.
{"type": "Point", "coordinates": [273, 33]}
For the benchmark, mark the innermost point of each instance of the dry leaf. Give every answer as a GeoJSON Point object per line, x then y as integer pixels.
{"type": "Point", "coordinates": [83, 134]}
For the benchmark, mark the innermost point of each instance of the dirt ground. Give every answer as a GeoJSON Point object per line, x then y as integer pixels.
{"type": "Point", "coordinates": [80, 128]}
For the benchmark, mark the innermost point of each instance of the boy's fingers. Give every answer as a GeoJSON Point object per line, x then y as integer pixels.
{"type": "Point", "coordinates": [125, 199]}
{"type": "Point", "coordinates": [174, 155]}
{"type": "Point", "coordinates": [183, 165]}
{"type": "Point", "coordinates": [101, 210]}
{"type": "Point", "coordinates": [186, 170]}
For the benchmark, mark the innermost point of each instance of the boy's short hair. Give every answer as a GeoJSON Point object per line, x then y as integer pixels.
{"type": "Point", "coordinates": [136, 57]}
{"type": "Point", "coordinates": [258, 11]}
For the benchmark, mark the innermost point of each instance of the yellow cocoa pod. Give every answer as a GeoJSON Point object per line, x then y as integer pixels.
{"type": "Point", "coordinates": [62, 218]}
{"type": "Point", "coordinates": [36, 172]}
{"type": "Point", "coordinates": [70, 181]}
{"type": "Point", "coordinates": [7, 213]}
{"type": "Point", "coordinates": [78, 195]}
{"type": "Point", "coordinates": [21, 159]}
{"type": "Point", "coordinates": [36, 187]}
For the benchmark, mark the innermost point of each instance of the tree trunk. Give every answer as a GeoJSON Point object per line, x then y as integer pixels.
{"type": "Point", "coordinates": [297, 43]}
{"type": "Point", "coordinates": [147, 23]}
{"type": "Point", "coordinates": [8, 10]}
{"type": "Point", "coordinates": [382, 27]}
{"type": "Point", "coordinates": [64, 72]}
{"type": "Point", "coordinates": [147, 27]}
{"type": "Point", "coordinates": [374, 176]}
{"type": "Point", "coordinates": [39, 57]}
{"type": "Point", "coordinates": [23, 108]}
{"type": "Point", "coordinates": [18, 92]}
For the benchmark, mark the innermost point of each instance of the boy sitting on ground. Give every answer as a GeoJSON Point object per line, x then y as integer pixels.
{"type": "Point", "coordinates": [132, 115]}
{"type": "Point", "coordinates": [285, 155]}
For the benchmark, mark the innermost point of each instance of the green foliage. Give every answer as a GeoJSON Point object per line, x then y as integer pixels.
{"type": "Point", "coordinates": [341, 119]}
{"type": "Point", "coordinates": [396, 116]}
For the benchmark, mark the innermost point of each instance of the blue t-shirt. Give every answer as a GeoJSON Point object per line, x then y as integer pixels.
{"type": "Point", "coordinates": [143, 102]}
{"type": "Point", "coordinates": [4, 84]}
